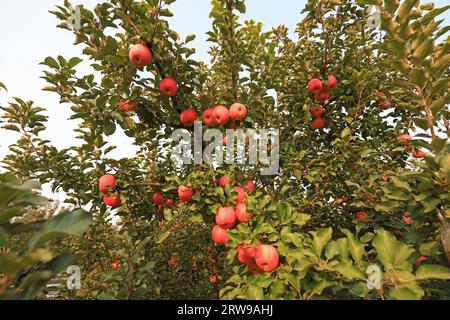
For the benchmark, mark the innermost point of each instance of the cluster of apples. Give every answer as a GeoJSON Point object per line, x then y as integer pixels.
{"type": "Point", "coordinates": [405, 139]}
{"type": "Point", "coordinates": [217, 116]}
{"type": "Point", "coordinates": [321, 93]}
{"type": "Point", "coordinates": [160, 201]}
{"type": "Point", "coordinates": [257, 259]}
{"type": "Point", "coordinates": [141, 56]}
{"type": "Point", "coordinates": [107, 186]}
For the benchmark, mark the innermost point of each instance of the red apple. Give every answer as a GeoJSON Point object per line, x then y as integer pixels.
{"type": "Point", "coordinates": [168, 87]}
{"type": "Point", "coordinates": [405, 138]}
{"type": "Point", "coordinates": [241, 194]}
{"type": "Point", "coordinates": [225, 217]}
{"type": "Point", "coordinates": [212, 279]}
{"type": "Point", "coordinates": [315, 85]}
{"type": "Point", "coordinates": [407, 220]}
{"type": "Point", "coordinates": [252, 266]}
{"type": "Point", "coordinates": [421, 259]}
{"type": "Point", "coordinates": [332, 82]}
{"type": "Point", "coordinates": [158, 198]}
{"type": "Point", "coordinates": [317, 124]}
{"type": "Point", "coordinates": [219, 235]}
{"type": "Point", "coordinates": [238, 111]}
{"type": "Point", "coordinates": [128, 106]}
{"type": "Point", "coordinates": [418, 154]}
{"type": "Point", "coordinates": [221, 115]}
{"type": "Point", "coordinates": [115, 265]}
{"type": "Point", "coordinates": [188, 117]}
{"type": "Point", "coordinates": [224, 180]}
{"type": "Point", "coordinates": [380, 94]}
{"type": "Point", "coordinates": [242, 254]}
{"type": "Point", "coordinates": [140, 55]}
{"type": "Point", "coordinates": [112, 202]}
{"type": "Point", "coordinates": [168, 202]}
{"type": "Point", "coordinates": [250, 186]}
{"type": "Point", "coordinates": [173, 261]}
{"type": "Point", "coordinates": [267, 257]}
{"type": "Point", "coordinates": [208, 117]}
{"type": "Point", "coordinates": [106, 183]}
{"type": "Point", "coordinates": [317, 111]}
{"type": "Point", "coordinates": [316, 188]}
{"type": "Point", "coordinates": [385, 105]}
{"type": "Point", "coordinates": [185, 193]}
{"type": "Point", "coordinates": [322, 95]}
{"type": "Point", "coordinates": [361, 215]}
{"type": "Point", "coordinates": [241, 213]}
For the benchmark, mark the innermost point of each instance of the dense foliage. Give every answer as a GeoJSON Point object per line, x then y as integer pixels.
{"type": "Point", "coordinates": [347, 197]}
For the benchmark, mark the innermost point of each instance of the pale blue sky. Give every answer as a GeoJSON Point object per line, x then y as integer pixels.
{"type": "Point", "coordinates": [28, 35]}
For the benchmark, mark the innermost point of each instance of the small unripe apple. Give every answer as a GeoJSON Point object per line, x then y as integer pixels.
{"type": "Point", "coordinates": [267, 257]}
{"type": "Point", "coordinates": [188, 117]}
{"type": "Point", "coordinates": [361, 215]}
{"type": "Point", "coordinates": [332, 82]}
{"type": "Point", "coordinates": [225, 217]}
{"type": "Point", "coordinates": [128, 106]}
{"type": "Point", "coordinates": [405, 138]}
{"type": "Point", "coordinates": [219, 235]}
{"type": "Point", "coordinates": [317, 124]}
{"type": "Point", "coordinates": [221, 115]}
{"type": "Point", "coordinates": [316, 111]}
{"type": "Point", "coordinates": [250, 186]}
{"type": "Point", "coordinates": [168, 87]}
{"type": "Point", "coordinates": [140, 55]}
{"type": "Point", "coordinates": [115, 265]}
{"type": "Point", "coordinates": [185, 193]}
{"type": "Point", "coordinates": [315, 85]}
{"type": "Point", "coordinates": [158, 198]}
{"type": "Point", "coordinates": [238, 111]}
{"type": "Point", "coordinates": [241, 194]}
{"type": "Point", "coordinates": [224, 180]}
{"type": "Point", "coordinates": [208, 117]}
{"type": "Point", "coordinates": [112, 202]}
{"type": "Point", "coordinates": [241, 213]}
{"type": "Point", "coordinates": [106, 183]}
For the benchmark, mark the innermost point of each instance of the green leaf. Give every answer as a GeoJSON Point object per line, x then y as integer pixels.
{"type": "Point", "coordinates": [72, 223]}
{"type": "Point", "coordinates": [163, 236]}
{"type": "Point", "coordinates": [254, 292]}
{"type": "Point", "coordinates": [406, 292]}
{"type": "Point", "coordinates": [320, 239]}
{"type": "Point", "coordinates": [432, 271]}
{"type": "Point", "coordinates": [392, 253]}
{"type": "Point", "coordinates": [349, 271]}
{"type": "Point", "coordinates": [355, 246]}
{"type": "Point", "coordinates": [424, 49]}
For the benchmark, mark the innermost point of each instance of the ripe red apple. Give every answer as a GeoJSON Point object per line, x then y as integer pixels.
{"type": "Point", "coordinates": [238, 111]}
{"type": "Point", "coordinates": [421, 259]}
{"type": "Point", "coordinates": [106, 183]}
{"type": "Point", "coordinates": [251, 251]}
{"type": "Point", "coordinates": [173, 261]}
{"type": "Point", "coordinates": [241, 213]}
{"type": "Point", "coordinates": [219, 235]}
{"type": "Point", "coordinates": [380, 94]}
{"type": "Point", "coordinates": [158, 198]}
{"type": "Point", "coordinates": [140, 55]}
{"type": "Point", "coordinates": [316, 188]}
{"type": "Point", "coordinates": [361, 215]}
{"type": "Point", "coordinates": [322, 95]}
{"type": "Point", "coordinates": [225, 217]}
{"type": "Point", "coordinates": [212, 279]}
{"type": "Point", "coordinates": [242, 254]}
{"type": "Point", "coordinates": [185, 193]}
{"type": "Point", "coordinates": [115, 265]}
{"type": "Point", "coordinates": [253, 267]}
{"type": "Point", "coordinates": [405, 138]}
{"type": "Point", "coordinates": [407, 220]}
{"type": "Point", "coordinates": [188, 117]}
{"type": "Point", "coordinates": [208, 117]}
{"type": "Point", "coordinates": [315, 85]}
{"type": "Point", "coordinates": [317, 124]}
{"type": "Point", "coordinates": [113, 201]}
{"type": "Point", "coordinates": [241, 194]}
{"type": "Point", "coordinates": [168, 87]}
{"type": "Point", "coordinates": [168, 202]}
{"type": "Point", "coordinates": [250, 186]}
{"type": "Point", "coordinates": [267, 257]}
{"type": "Point", "coordinates": [332, 82]}
{"type": "Point", "coordinates": [224, 180]}
{"type": "Point", "coordinates": [128, 106]}
{"type": "Point", "coordinates": [221, 115]}
{"type": "Point", "coordinates": [317, 111]}
{"type": "Point", "coordinates": [418, 154]}
{"type": "Point", "coordinates": [385, 178]}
